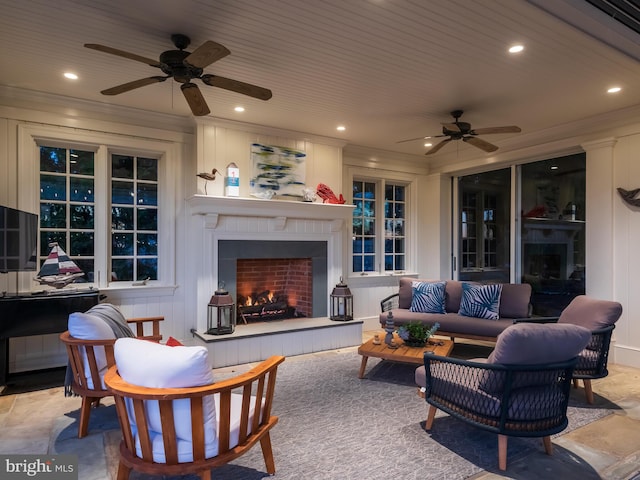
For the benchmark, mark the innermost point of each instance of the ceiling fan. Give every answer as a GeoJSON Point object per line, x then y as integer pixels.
{"type": "Point", "coordinates": [183, 67]}
{"type": "Point", "coordinates": [462, 131]}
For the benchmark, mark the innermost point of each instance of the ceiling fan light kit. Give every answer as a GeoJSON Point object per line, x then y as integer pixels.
{"type": "Point", "coordinates": [458, 130]}
{"type": "Point", "coordinates": [183, 67]}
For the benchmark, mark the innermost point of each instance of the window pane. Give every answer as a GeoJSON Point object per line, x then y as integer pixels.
{"type": "Point", "coordinates": [122, 192]}
{"type": "Point", "coordinates": [81, 189]}
{"type": "Point", "coordinates": [369, 245]}
{"type": "Point", "coordinates": [357, 245]}
{"type": "Point", "coordinates": [53, 215]}
{"type": "Point", "coordinates": [81, 244]}
{"type": "Point", "coordinates": [388, 262]}
{"type": "Point", "coordinates": [399, 193]}
{"type": "Point", "coordinates": [399, 262]}
{"type": "Point", "coordinates": [147, 194]}
{"type": "Point", "coordinates": [147, 169]}
{"type": "Point", "coordinates": [147, 218]}
{"type": "Point", "coordinates": [484, 216]}
{"type": "Point", "coordinates": [122, 244]}
{"type": "Point", "coordinates": [399, 210]}
{"type": "Point", "coordinates": [147, 268]}
{"type": "Point", "coordinates": [357, 263]}
{"type": "Point", "coordinates": [147, 244]}
{"type": "Point", "coordinates": [82, 216]}
{"type": "Point", "coordinates": [369, 190]}
{"type": "Point", "coordinates": [53, 187]}
{"type": "Point", "coordinates": [553, 231]}
{"type": "Point", "coordinates": [53, 159]}
{"type": "Point", "coordinates": [81, 162]}
{"type": "Point", "coordinates": [52, 237]}
{"type": "Point", "coordinates": [122, 166]}
{"type": "Point", "coordinates": [369, 226]}
{"type": "Point", "coordinates": [369, 263]}
{"type": "Point", "coordinates": [122, 270]}
{"type": "Point", "coordinates": [86, 265]}
{"type": "Point", "coordinates": [121, 218]}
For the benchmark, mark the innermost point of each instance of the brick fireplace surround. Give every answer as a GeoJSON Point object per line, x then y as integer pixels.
{"type": "Point", "coordinates": [224, 228]}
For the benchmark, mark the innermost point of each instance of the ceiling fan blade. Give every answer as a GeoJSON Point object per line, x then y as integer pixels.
{"type": "Point", "coordinates": [122, 53]}
{"type": "Point", "coordinates": [506, 129]}
{"type": "Point", "coordinates": [413, 139]}
{"type": "Point", "coordinates": [481, 144]}
{"type": "Point", "coordinates": [453, 127]}
{"type": "Point", "coordinates": [237, 86]}
{"type": "Point", "coordinates": [125, 87]}
{"type": "Point", "coordinates": [195, 99]}
{"type": "Point", "coordinates": [206, 54]}
{"type": "Point", "coordinates": [438, 146]}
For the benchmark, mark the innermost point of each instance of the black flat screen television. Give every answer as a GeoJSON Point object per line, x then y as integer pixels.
{"type": "Point", "coordinates": [18, 240]}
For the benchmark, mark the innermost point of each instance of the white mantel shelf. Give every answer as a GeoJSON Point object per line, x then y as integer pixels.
{"type": "Point", "coordinates": [255, 207]}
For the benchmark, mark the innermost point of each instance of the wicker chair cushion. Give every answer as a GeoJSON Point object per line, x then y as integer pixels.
{"type": "Point", "coordinates": [591, 313]}
{"type": "Point", "coordinates": [533, 344]}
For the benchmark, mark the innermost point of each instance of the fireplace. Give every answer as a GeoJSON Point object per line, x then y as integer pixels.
{"type": "Point", "coordinates": [225, 231]}
{"type": "Point", "coordinates": [289, 269]}
{"type": "Point", "coordinates": [274, 288]}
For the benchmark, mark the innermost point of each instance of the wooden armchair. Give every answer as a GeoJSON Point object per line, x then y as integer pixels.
{"type": "Point", "coordinates": [182, 430]}
{"type": "Point", "coordinates": [89, 360]}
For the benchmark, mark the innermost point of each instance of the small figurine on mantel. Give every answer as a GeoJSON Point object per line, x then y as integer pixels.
{"type": "Point", "coordinates": [327, 195]}
{"type": "Point", "coordinates": [207, 176]}
{"type": "Point", "coordinates": [308, 195]}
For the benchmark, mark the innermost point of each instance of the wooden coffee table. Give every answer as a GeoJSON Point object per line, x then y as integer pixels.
{"type": "Point", "coordinates": [402, 354]}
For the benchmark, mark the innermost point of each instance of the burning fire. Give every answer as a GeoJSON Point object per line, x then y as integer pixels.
{"type": "Point", "coordinates": [260, 301]}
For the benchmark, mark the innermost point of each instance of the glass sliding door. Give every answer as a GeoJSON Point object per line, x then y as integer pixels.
{"type": "Point", "coordinates": [484, 233]}
{"type": "Point", "coordinates": [552, 236]}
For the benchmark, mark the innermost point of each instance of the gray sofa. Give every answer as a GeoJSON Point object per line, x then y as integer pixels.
{"type": "Point", "coordinates": [514, 304]}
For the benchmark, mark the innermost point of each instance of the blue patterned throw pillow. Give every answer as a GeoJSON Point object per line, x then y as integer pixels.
{"type": "Point", "coordinates": [481, 301]}
{"type": "Point", "coordinates": [427, 297]}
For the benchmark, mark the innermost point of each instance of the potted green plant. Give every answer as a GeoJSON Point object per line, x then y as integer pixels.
{"type": "Point", "coordinates": [416, 334]}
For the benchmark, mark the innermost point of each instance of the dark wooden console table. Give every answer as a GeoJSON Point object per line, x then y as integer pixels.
{"type": "Point", "coordinates": [37, 314]}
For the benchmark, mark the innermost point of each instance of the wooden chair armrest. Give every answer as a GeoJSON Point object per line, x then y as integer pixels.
{"type": "Point", "coordinates": [155, 327]}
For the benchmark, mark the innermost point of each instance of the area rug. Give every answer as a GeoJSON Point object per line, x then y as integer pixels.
{"type": "Point", "coordinates": [336, 426]}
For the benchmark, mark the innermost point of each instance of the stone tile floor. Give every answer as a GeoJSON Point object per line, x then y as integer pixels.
{"type": "Point", "coordinates": [607, 449]}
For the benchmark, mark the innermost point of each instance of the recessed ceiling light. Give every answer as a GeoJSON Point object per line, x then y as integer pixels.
{"type": "Point", "coordinates": [428, 144]}
{"type": "Point", "coordinates": [70, 76]}
{"type": "Point", "coordinates": [516, 48]}
{"type": "Point", "coordinates": [341, 128]}
{"type": "Point", "coordinates": [239, 109]}
{"type": "Point", "coordinates": [554, 167]}
{"type": "Point", "coordinates": [614, 90]}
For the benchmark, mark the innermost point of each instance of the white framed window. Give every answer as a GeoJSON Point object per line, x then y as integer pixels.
{"type": "Point", "coordinates": [105, 199]}
{"type": "Point", "coordinates": [134, 218]}
{"type": "Point", "coordinates": [380, 226]}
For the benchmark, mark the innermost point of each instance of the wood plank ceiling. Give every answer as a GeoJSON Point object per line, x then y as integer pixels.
{"type": "Point", "coordinates": [386, 69]}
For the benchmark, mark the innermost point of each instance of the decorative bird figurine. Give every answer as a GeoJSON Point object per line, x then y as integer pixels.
{"type": "Point", "coordinates": [629, 196]}
{"type": "Point", "coordinates": [208, 176]}
{"type": "Point", "coordinates": [327, 195]}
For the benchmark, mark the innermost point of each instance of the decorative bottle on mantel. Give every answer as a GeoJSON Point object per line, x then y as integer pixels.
{"type": "Point", "coordinates": [232, 181]}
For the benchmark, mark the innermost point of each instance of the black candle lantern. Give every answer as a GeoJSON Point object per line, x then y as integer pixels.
{"type": "Point", "coordinates": [341, 303]}
{"type": "Point", "coordinates": [221, 313]}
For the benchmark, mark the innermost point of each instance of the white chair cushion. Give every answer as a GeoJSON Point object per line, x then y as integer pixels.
{"type": "Point", "coordinates": [85, 326]}
{"type": "Point", "coordinates": [153, 365]}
